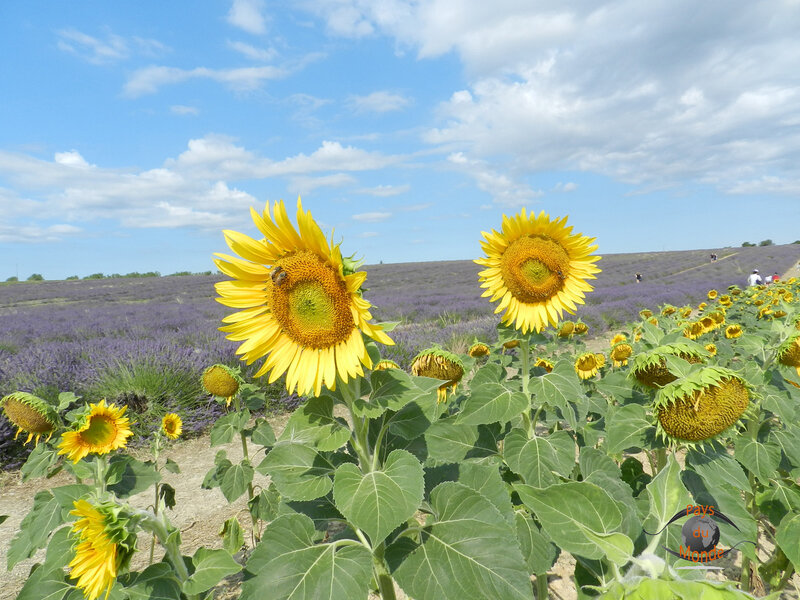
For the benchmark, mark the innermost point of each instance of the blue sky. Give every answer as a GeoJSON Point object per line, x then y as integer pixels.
{"type": "Point", "coordinates": [132, 133]}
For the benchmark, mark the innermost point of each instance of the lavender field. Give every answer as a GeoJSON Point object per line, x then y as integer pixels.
{"type": "Point", "coordinates": [145, 342]}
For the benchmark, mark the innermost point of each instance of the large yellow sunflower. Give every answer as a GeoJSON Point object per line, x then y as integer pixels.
{"type": "Point", "coordinates": [100, 431]}
{"type": "Point", "coordinates": [537, 269]}
{"type": "Point", "coordinates": [301, 303]}
{"type": "Point", "coordinates": [104, 547]}
{"type": "Point", "coordinates": [586, 365]}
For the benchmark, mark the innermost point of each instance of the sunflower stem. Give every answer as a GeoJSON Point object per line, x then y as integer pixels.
{"type": "Point", "coordinates": [542, 589]}
{"type": "Point", "coordinates": [100, 467]}
{"type": "Point", "coordinates": [524, 350]}
{"type": "Point", "coordinates": [159, 527]}
{"type": "Point", "coordinates": [661, 459]}
{"type": "Point", "coordinates": [250, 491]}
{"type": "Point", "coordinates": [750, 499]}
{"type": "Point", "coordinates": [381, 574]}
{"type": "Point", "coordinates": [359, 436]}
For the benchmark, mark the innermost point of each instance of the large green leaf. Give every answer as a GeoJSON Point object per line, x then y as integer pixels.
{"type": "Point", "coordinates": [39, 462]}
{"type": "Point", "coordinates": [617, 387]}
{"type": "Point", "coordinates": [570, 511]}
{"type": "Point", "coordinates": [488, 373]}
{"type": "Point", "coordinates": [313, 423]}
{"type": "Point", "coordinates": [449, 441]}
{"type": "Point", "coordinates": [561, 389]}
{"type": "Point", "coordinates": [236, 479]}
{"type": "Point", "coordinates": [468, 551]}
{"type": "Point", "coordinates": [761, 459]}
{"type": "Point", "coordinates": [136, 477]}
{"type": "Point", "coordinates": [379, 501]}
{"type": "Point", "coordinates": [532, 458]}
{"type": "Point", "coordinates": [717, 469]}
{"type": "Point", "coordinates": [787, 535]}
{"type": "Point", "coordinates": [263, 435]}
{"type": "Point", "coordinates": [59, 549]}
{"type": "Point", "coordinates": [564, 452]}
{"type": "Point", "coordinates": [210, 567]}
{"type": "Point", "coordinates": [298, 471]}
{"type": "Point", "coordinates": [414, 418]}
{"type": "Point", "coordinates": [226, 427]}
{"type": "Point", "coordinates": [622, 494]}
{"type": "Point", "coordinates": [666, 494]}
{"type": "Point", "coordinates": [391, 390]}
{"type": "Point", "coordinates": [156, 582]}
{"type": "Point", "coordinates": [45, 584]}
{"type": "Point", "coordinates": [539, 553]}
{"type": "Point", "coordinates": [45, 515]}
{"type": "Point", "coordinates": [592, 459]}
{"type": "Point", "coordinates": [288, 565]}
{"type": "Point", "coordinates": [486, 480]}
{"type": "Point", "coordinates": [789, 441]}
{"type": "Point", "coordinates": [492, 403]}
{"type": "Point", "coordinates": [626, 427]}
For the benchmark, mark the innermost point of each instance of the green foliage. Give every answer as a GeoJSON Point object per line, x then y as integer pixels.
{"type": "Point", "coordinates": [35, 277]}
{"type": "Point", "coordinates": [765, 243]}
{"type": "Point", "coordinates": [748, 245]}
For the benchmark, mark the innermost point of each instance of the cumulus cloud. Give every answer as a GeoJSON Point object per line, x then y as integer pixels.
{"type": "Point", "coordinates": [565, 187]}
{"type": "Point", "coordinates": [248, 15]}
{"type": "Point", "coordinates": [33, 234]}
{"type": "Point", "coordinates": [503, 189]}
{"type": "Point", "coordinates": [372, 217]}
{"type": "Point", "coordinates": [379, 102]}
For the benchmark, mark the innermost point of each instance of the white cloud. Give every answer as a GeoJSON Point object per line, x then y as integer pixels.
{"type": "Point", "coordinates": [417, 207]}
{"type": "Point", "coordinates": [565, 187]}
{"type": "Point", "coordinates": [31, 234]}
{"type": "Point", "coordinates": [372, 217]}
{"type": "Point", "coordinates": [181, 109]}
{"type": "Point", "coordinates": [379, 102]}
{"type": "Point", "coordinates": [248, 15]}
{"type": "Point", "coordinates": [503, 189]}
{"type": "Point", "coordinates": [384, 191]}
{"type": "Point", "coordinates": [113, 48]}
{"type": "Point", "coordinates": [253, 53]}
{"type": "Point", "coordinates": [72, 158]}
{"type": "Point", "coordinates": [149, 79]}
{"type": "Point", "coordinates": [368, 234]}
{"type": "Point", "coordinates": [303, 184]}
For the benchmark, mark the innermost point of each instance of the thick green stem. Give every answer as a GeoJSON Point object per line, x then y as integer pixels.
{"type": "Point", "coordinates": [360, 424]}
{"type": "Point", "coordinates": [787, 575]}
{"type": "Point", "coordinates": [381, 573]}
{"type": "Point", "coordinates": [661, 459]}
{"type": "Point", "coordinates": [542, 589]}
{"type": "Point", "coordinates": [100, 466]}
{"type": "Point", "coordinates": [254, 534]}
{"type": "Point", "coordinates": [525, 353]}
{"type": "Point", "coordinates": [159, 527]}
{"type": "Point", "coordinates": [752, 506]}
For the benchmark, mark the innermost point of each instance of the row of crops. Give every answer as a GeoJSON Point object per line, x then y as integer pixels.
{"type": "Point", "coordinates": [466, 476]}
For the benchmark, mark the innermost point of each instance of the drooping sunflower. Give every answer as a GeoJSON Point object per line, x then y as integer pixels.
{"type": "Point", "coordinates": [620, 354]}
{"type": "Point", "coordinates": [734, 291]}
{"type": "Point", "coordinates": [702, 306]}
{"type": "Point", "coordinates": [789, 352]}
{"type": "Point", "coordinates": [620, 337]}
{"type": "Point", "coordinates": [566, 329]}
{"type": "Point", "coordinates": [764, 312]}
{"type": "Point", "coordinates": [779, 314]}
{"type": "Point", "coordinates": [694, 330]}
{"type": "Point", "coordinates": [711, 349]}
{"type": "Point", "coordinates": [708, 324]}
{"type": "Point", "coordinates": [510, 344]}
{"type": "Point", "coordinates": [544, 364]}
{"type": "Point", "coordinates": [581, 328]}
{"type": "Point", "coordinates": [172, 426]}
{"type": "Point", "coordinates": [586, 365]}
{"type": "Point", "coordinates": [385, 364]}
{"type": "Point", "coordinates": [718, 316]}
{"type": "Point", "coordinates": [301, 300]}
{"type": "Point", "coordinates": [653, 321]}
{"type": "Point", "coordinates": [668, 310]}
{"type": "Point", "coordinates": [222, 381]}
{"type": "Point", "coordinates": [700, 406]}
{"type": "Point", "coordinates": [104, 547]}
{"type": "Point", "coordinates": [646, 313]}
{"type": "Point", "coordinates": [733, 331]}
{"type": "Point", "coordinates": [649, 369]}
{"type": "Point", "coordinates": [99, 430]}
{"type": "Point", "coordinates": [686, 311]}
{"type": "Point", "coordinates": [478, 349]}
{"type": "Point", "coordinates": [601, 359]}
{"type": "Point", "coordinates": [712, 294]}
{"type": "Point", "coordinates": [758, 302]}
{"type": "Point", "coordinates": [439, 364]}
{"type": "Point", "coordinates": [30, 414]}
{"type": "Point", "coordinates": [537, 269]}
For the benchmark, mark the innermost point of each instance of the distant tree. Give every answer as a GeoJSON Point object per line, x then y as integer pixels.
{"type": "Point", "coordinates": [95, 276]}
{"type": "Point", "coordinates": [36, 277]}
{"type": "Point", "coordinates": [747, 245]}
{"type": "Point", "coordinates": [151, 274]}
{"type": "Point", "coordinates": [133, 274]}
{"type": "Point", "coordinates": [114, 276]}
{"type": "Point", "coordinates": [765, 243]}
{"type": "Point", "coordinates": [72, 278]}
{"type": "Point", "coordinates": [796, 242]}
{"type": "Point", "coordinates": [205, 273]}
{"type": "Point", "coordinates": [180, 274]}
{"type": "Point", "coordinates": [12, 279]}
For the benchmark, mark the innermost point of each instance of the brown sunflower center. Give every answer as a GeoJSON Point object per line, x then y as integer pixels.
{"type": "Point", "coordinates": [534, 268]}
{"type": "Point", "coordinates": [170, 426]}
{"type": "Point", "coordinates": [102, 430]}
{"type": "Point", "coordinates": [707, 412]}
{"type": "Point", "coordinates": [26, 417]}
{"type": "Point", "coordinates": [791, 356]}
{"type": "Point", "coordinates": [311, 301]}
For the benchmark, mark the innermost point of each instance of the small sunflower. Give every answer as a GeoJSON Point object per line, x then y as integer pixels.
{"type": "Point", "coordinates": [758, 302]}
{"type": "Point", "coordinates": [733, 331]}
{"type": "Point", "coordinates": [104, 547]}
{"type": "Point", "coordinates": [646, 313]}
{"type": "Point", "coordinates": [566, 329]}
{"type": "Point", "coordinates": [699, 407]}
{"type": "Point", "coordinates": [694, 330]}
{"type": "Point", "coordinates": [653, 321]}
{"type": "Point", "coordinates": [764, 311]}
{"type": "Point", "coordinates": [712, 294]}
{"type": "Point", "coordinates": [537, 269]}
{"type": "Point", "coordinates": [725, 301]}
{"type": "Point", "coordinates": [30, 414]}
{"type": "Point", "coordinates": [668, 310]}
{"type": "Point", "coordinates": [586, 365]}
{"type": "Point", "coordinates": [544, 364]}
{"type": "Point", "coordinates": [439, 364]}
{"type": "Point", "coordinates": [711, 349]}
{"type": "Point", "coordinates": [510, 344]}
{"type": "Point", "coordinates": [702, 306]}
{"type": "Point", "coordinates": [172, 426]}
{"type": "Point", "coordinates": [718, 316]}
{"type": "Point", "coordinates": [478, 349]}
{"type": "Point", "coordinates": [620, 337]}
{"type": "Point", "coordinates": [649, 369]}
{"type": "Point", "coordinates": [686, 312]}
{"type": "Point", "coordinates": [385, 364]}
{"type": "Point", "coordinates": [601, 359]}
{"type": "Point", "coordinates": [789, 352]}
{"type": "Point", "coordinates": [99, 431]}
{"type": "Point", "coordinates": [708, 324]}
{"type": "Point", "coordinates": [734, 291]}
{"type": "Point", "coordinates": [581, 328]}
{"type": "Point", "coordinates": [302, 309]}
{"type": "Point", "coordinates": [222, 381]}
{"type": "Point", "coordinates": [620, 354]}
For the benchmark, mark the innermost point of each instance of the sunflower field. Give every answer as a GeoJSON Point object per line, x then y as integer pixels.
{"type": "Point", "coordinates": [673, 449]}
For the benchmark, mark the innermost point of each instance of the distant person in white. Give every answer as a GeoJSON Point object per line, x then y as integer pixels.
{"type": "Point", "coordinates": [768, 279]}
{"type": "Point", "coordinates": [754, 278]}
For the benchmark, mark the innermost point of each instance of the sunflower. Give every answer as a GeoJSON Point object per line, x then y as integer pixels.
{"type": "Point", "coordinates": [668, 310]}
{"type": "Point", "coordinates": [789, 352]}
{"type": "Point", "coordinates": [30, 414]}
{"type": "Point", "coordinates": [544, 364]}
{"type": "Point", "coordinates": [537, 269]}
{"type": "Point", "coordinates": [686, 312]}
{"type": "Point", "coordinates": [708, 324]}
{"type": "Point", "coordinates": [172, 426]}
{"type": "Point", "coordinates": [478, 349]}
{"type": "Point", "coordinates": [581, 328]}
{"type": "Point", "coordinates": [99, 431]}
{"type": "Point", "coordinates": [301, 303]}
{"type": "Point", "coordinates": [712, 294]}
{"type": "Point", "coordinates": [645, 313]}
{"type": "Point", "coordinates": [700, 406]}
{"type": "Point", "coordinates": [653, 321]}
{"type": "Point", "coordinates": [758, 302]}
{"type": "Point", "coordinates": [711, 349]}
{"type": "Point", "coordinates": [733, 331]}
{"type": "Point", "coordinates": [601, 359]}
{"type": "Point", "coordinates": [764, 311]}
{"type": "Point", "coordinates": [385, 364]}
{"type": "Point", "coordinates": [702, 306]}
{"type": "Point", "coordinates": [649, 369]}
{"type": "Point", "coordinates": [620, 354]}
{"type": "Point", "coordinates": [104, 547]}
{"type": "Point", "coordinates": [586, 365]}
{"type": "Point", "coordinates": [439, 364]}
{"type": "Point", "coordinates": [734, 291]}
{"type": "Point", "coordinates": [620, 337]}
{"type": "Point", "coordinates": [718, 316]}
{"type": "Point", "coordinates": [725, 301]}
{"type": "Point", "coordinates": [566, 329]}
{"type": "Point", "coordinates": [694, 330]}
{"type": "Point", "coordinates": [221, 380]}
{"type": "Point", "coordinates": [510, 344]}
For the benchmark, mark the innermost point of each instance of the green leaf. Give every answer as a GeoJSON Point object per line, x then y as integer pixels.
{"type": "Point", "coordinates": [59, 549]}
{"type": "Point", "coordinates": [561, 390]}
{"type": "Point", "coordinates": [780, 403]}
{"type": "Point", "coordinates": [232, 535]}
{"type": "Point", "coordinates": [3, 519]}
{"type": "Point", "coordinates": [236, 479]}
{"type": "Point", "coordinates": [633, 474]}
{"type": "Point", "coordinates": [414, 418]}
{"type": "Point", "coordinates": [592, 459]}
{"type": "Point", "coordinates": [228, 426]}
{"type": "Point", "coordinates": [540, 554]}
{"type": "Point", "coordinates": [45, 584]}
{"type": "Point", "coordinates": [392, 389]}
{"type": "Point", "coordinates": [65, 399]}
{"type": "Point", "coordinates": [156, 582]}
{"type": "Point", "coordinates": [622, 495]}
{"type": "Point", "coordinates": [34, 530]}
{"type": "Point", "coordinates": [533, 459]}
{"type": "Point", "coordinates": [136, 477]}
{"type": "Point", "coordinates": [717, 469]}
{"type": "Point", "coordinates": [761, 459]}
{"type": "Point", "coordinates": [788, 440]}
{"type": "Point", "coordinates": [263, 435]}
{"type": "Point", "coordinates": [488, 373]}
{"type": "Point", "coordinates": [666, 494]}
{"type": "Point", "coordinates": [167, 494]}
{"type": "Point", "coordinates": [486, 480]}
{"type": "Point", "coordinates": [299, 471]}
{"type": "Point", "coordinates": [617, 547]}
{"type": "Point", "coordinates": [215, 474]}
{"type": "Point", "coordinates": [627, 427]}
{"type": "Point", "coordinates": [492, 403]}
{"type": "Point", "coordinates": [617, 387]}
{"type": "Point", "coordinates": [172, 466]}
{"type": "Point", "coordinates": [449, 441]}
{"type": "Point", "coordinates": [468, 551]}
{"type": "Point", "coordinates": [39, 462]}
{"type": "Point", "coordinates": [210, 567]}
{"type": "Point", "coordinates": [288, 565]}
{"type": "Point", "coordinates": [313, 423]}
{"type": "Point", "coordinates": [379, 501]}
{"type": "Point", "coordinates": [787, 534]}
{"type": "Point", "coordinates": [563, 452]}
{"type": "Point", "coordinates": [67, 495]}
{"type": "Point", "coordinates": [265, 505]}
{"type": "Point", "coordinates": [569, 511]}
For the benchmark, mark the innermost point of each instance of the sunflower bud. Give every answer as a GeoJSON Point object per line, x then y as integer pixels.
{"type": "Point", "coordinates": [221, 380]}
{"type": "Point", "coordinates": [30, 414]}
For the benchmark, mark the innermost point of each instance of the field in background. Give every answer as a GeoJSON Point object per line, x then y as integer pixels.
{"type": "Point", "coordinates": [145, 342]}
